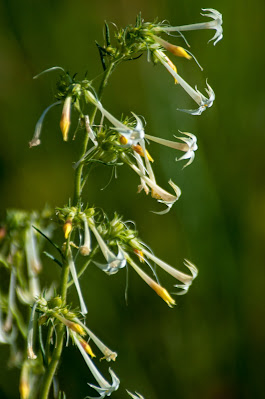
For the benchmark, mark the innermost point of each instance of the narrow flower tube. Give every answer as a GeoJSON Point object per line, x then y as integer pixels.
{"type": "Point", "coordinates": [36, 137]}
{"type": "Point", "coordinates": [108, 354]}
{"type": "Point", "coordinates": [196, 95]}
{"type": "Point", "coordinates": [66, 117]}
{"type": "Point", "coordinates": [215, 24]}
{"type": "Point", "coordinates": [33, 265]}
{"type": "Point", "coordinates": [85, 249]}
{"type": "Point", "coordinates": [114, 262]}
{"type": "Point", "coordinates": [77, 285]}
{"type": "Point", "coordinates": [161, 291]}
{"type": "Point", "coordinates": [104, 388]}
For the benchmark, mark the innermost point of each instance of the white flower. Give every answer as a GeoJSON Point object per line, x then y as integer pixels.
{"type": "Point", "coordinates": [186, 279]}
{"type": "Point", "coordinates": [189, 147]}
{"type": "Point", "coordinates": [158, 193]}
{"type": "Point", "coordinates": [216, 24]}
{"type": "Point", "coordinates": [114, 262]}
{"type": "Point", "coordinates": [196, 95]}
{"type": "Point", "coordinates": [104, 388]}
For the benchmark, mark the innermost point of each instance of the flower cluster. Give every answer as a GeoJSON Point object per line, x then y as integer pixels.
{"type": "Point", "coordinates": [119, 245]}
{"type": "Point", "coordinates": [88, 236]}
{"type": "Point", "coordinates": [125, 141]}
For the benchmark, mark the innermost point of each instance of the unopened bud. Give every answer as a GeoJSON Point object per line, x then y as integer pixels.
{"type": "Point", "coordinates": [137, 148]}
{"type": "Point", "coordinates": [123, 140]}
{"type": "Point", "coordinates": [67, 228]}
{"type": "Point", "coordinates": [24, 389]}
{"type": "Point", "coordinates": [163, 293]}
{"type": "Point", "coordinates": [87, 347]}
{"type": "Point", "coordinates": [66, 117]}
{"type": "Point", "coordinates": [139, 254]}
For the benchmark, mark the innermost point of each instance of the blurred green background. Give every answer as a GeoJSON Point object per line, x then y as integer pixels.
{"type": "Point", "coordinates": [211, 345]}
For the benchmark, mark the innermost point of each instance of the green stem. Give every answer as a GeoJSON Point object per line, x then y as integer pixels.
{"type": "Point", "coordinates": [57, 351]}
{"type": "Point", "coordinates": [50, 371]}
{"type": "Point", "coordinates": [78, 174]}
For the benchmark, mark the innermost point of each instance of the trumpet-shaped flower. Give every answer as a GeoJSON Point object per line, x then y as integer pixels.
{"type": "Point", "coordinates": [104, 388]}
{"type": "Point", "coordinates": [215, 24]}
{"type": "Point", "coordinates": [196, 95]}
{"type": "Point", "coordinates": [189, 147]}
{"type": "Point", "coordinates": [158, 193]}
{"type": "Point", "coordinates": [186, 279]}
{"type": "Point", "coordinates": [114, 262]}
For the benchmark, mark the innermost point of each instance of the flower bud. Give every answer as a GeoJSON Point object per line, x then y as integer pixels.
{"type": "Point", "coordinates": [87, 347]}
{"type": "Point", "coordinates": [66, 117]}
{"type": "Point", "coordinates": [67, 228]}
{"type": "Point", "coordinates": [137, 148]}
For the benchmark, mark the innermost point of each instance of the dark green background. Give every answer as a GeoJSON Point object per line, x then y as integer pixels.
{"type": "Point", "coordinates": [211, 345]}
